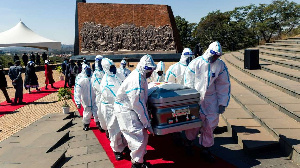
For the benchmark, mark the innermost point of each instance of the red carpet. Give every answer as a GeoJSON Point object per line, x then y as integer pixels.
{"type": "Point", "coordinates": [161, 153]}
{"type": "Point", "coordinates": [6, 108]}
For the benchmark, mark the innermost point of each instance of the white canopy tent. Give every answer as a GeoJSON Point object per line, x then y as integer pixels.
{"type": "Point", "coordinates": [22, 36]}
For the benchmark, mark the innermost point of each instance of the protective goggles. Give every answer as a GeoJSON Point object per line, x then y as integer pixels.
{"type": "Point", "coordinates": [188, 53]}
{"type": "Point", "coordinates": [149, 68]}
{"type": "Point", "coordinates": [98, 59]}
{"type": "Point", "coordinates": [215, 53]}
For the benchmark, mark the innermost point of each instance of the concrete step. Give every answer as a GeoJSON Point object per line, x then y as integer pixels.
{"type": "Point", "coordinates": [294, 38]}
{"type": "Point", "coordinates": [290, 56]}
{"type": "Point", "coordinates": [248, 132]}
{"type": "Point", "coordinates": [285, 72]}
{"type": "Point", "coordinates": [282, 101]}
{"type": "Point", "coordinates": [249, 93]}
{"type": "Point", "coordinates": [279, 61]}
{"type": "Point", "coordinates": [289, 41]}
{"type": "Point", "coordinates": [285, 85]}
{"type": "Point", "coordinates": [278, 44]}
{"type": "Point", "coordinates": [280, 49]}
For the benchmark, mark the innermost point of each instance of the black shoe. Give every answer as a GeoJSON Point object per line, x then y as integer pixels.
{"type": "Point", "coordinates": [141, 165]}
{"type": "Point", "coordinates": [21, 103]}
{"type": "Point", "coordinates": [188, 145]}
{"type": "Point", "coordinates": [207, 155]}
{"type": "Point", "coordinates": [126, 151]}
{"type": "Point", "coordinates": [9, 101]}
{"type": "Point", "coordinates": [118, 155]}
{"type": "Point", "coordinates": [86, 127]}
{"type": "Point", "coordinates": [107, 134]}
{"type": "Point", "coordinates": [99, 127]}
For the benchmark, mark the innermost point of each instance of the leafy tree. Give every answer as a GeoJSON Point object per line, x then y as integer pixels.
{"type": "Point", "coordinates": [185, 30]}
{"type": "Point", "coordinates": [271, 20]}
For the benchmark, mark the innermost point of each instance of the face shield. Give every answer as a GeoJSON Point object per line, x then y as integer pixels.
{"type": "Point", "coordinates": [149, 71]}
{"type": "Point", "coordinates": [189, 57]}
{"type": "Point", "coordinates": [214, 57]}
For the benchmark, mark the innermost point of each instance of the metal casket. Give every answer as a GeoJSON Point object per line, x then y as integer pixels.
{"type": "Point", "coordinates": [174, 110]}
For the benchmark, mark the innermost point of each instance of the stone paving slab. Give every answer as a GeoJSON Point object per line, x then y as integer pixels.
{"type": "Point", "coordinates": [236, 114]}
{"type": "Point", "coordinates": [30, 157]}
{"type": "Point", "coordinates": [87, 158]}
{"type": "Point", "coordinates": [100, 164]}
{"type": "Point", "coordinates": [49, 140]}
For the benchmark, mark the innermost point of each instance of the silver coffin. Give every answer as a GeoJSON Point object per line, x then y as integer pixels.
{"type": "Point", "coordinates": [174, 110]}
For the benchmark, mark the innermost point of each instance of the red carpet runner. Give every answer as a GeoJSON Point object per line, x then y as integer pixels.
{"type": "Point", "coordinates": [161, 153]}
{"type": "Point", "coordinates": [6, 108]}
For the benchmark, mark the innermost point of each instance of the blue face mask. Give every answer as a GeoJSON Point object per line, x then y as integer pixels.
{"type": "Point", "coordinates": [88, 72]}
{"type": "Point", "coordinates": [113, 69]}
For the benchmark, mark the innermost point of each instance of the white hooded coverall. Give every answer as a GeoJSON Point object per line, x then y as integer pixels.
{"type": "Point", "coordinates": [86, 96]}
{"type": "Point", "coordinates": [109, 87]}
{"type": "Point", "coordinates": [80, 75]}
{"type": "Point", "coordinates": [131, 109]}
{"type": "Point", "coordinates": [155, 77]}
{"type": "Point", "coordinates": [96, 81]}
{"type": "Point", "coordinates": [124, 71]}
{"type": "Point", "coordinates": [176, 71]}
{"type": "Point", "coordinates": [213, 83]}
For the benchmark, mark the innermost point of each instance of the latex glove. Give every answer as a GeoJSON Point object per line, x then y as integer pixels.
{"type": "Point", "coordinates": [150, 129]}
{"type": "Point", "coordinates": [78, 106]}
{"type": "Point", "coordinates": [221, 109]}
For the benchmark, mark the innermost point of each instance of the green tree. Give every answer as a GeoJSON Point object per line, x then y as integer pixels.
{"type": "Point", "coordinates": [185, 30]}
{"type": "Point", "coordinates": [271, 20]}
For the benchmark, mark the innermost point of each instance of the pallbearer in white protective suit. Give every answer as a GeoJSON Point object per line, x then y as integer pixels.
{"type": "Point", "coordinates": [96, 80]}
{"type": "Point", "coordinates": [86, 96]}
{"type": "Point", "coordinates": [109, 86]}
{"type": "Point", "coordinates": [159, 73]}
{"type": "Point", "coordinates": [176, 71]}
{"type": "Point", "coordinates": [123, 70]}
{"type": "Point", "coordinates": [132, 112]}
{"type": "Point", "coordinates": [211, 78]}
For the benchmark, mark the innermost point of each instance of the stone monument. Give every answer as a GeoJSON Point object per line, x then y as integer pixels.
{"type": "Point", "coordinates": [107, 28]}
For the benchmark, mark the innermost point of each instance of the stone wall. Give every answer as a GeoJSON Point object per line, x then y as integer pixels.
{"type": "Point", "coordinates": [127, 27]}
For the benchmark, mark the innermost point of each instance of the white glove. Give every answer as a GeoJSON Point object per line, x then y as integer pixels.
{"type": "Point", "coordinates": [78, 106]}
{"type": "Point", "coordinates": [150, 129]}
{"type": "Point", "coordinates": [221, 109]}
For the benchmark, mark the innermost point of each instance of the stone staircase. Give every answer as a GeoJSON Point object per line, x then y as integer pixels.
{"type": "Point", "coordinates": [55, 140]}
{"type": "Point", "coordinates": [264, 112]}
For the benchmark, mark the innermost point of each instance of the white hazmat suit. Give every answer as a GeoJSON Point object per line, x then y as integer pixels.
{"type": "Point", "coordinates": [96, 81]}
{"type": "Point", "coordinates": [80, 75]}
{"type": "Point", "coordinates": [86, 96]}
{"type": "Point", "coordinates": [131, 108]}
{"type": "Point", "coordinates": [175, 72]}
{"type": "Point", "coordinates": [123, 70]}
{"type": "Point", "coordinates": [155, 77]}
{"type": "Point", "coordinates": [211, 79]}
{"type": "Point", "coordinates": [109, 87]}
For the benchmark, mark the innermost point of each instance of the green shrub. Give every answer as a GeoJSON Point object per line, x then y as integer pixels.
{"type": "Point", "coordinates": [64, 94]}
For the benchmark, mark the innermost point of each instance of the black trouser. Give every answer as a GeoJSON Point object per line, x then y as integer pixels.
{"type": "Point", "coordinates": [5, 93]}
{"type": "Point", "coordinates": [19, 92]}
